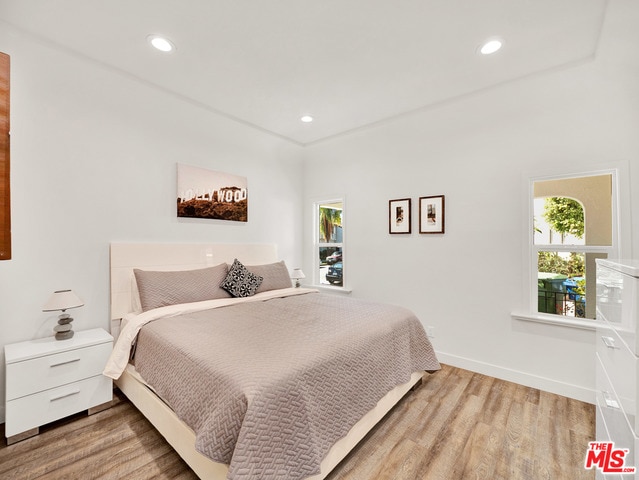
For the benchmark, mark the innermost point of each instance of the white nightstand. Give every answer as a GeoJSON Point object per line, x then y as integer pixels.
{"type": "Point", "coordinates": [48, 379]}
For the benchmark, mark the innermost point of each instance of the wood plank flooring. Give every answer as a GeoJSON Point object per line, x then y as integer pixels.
{"type": "Point", "coordinates": [456, 425]}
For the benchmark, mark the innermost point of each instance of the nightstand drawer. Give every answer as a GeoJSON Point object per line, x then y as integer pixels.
{"type": "Point", "coordinates": [34, 410]}
{"type": "Point", "coordinates": [38, 374]}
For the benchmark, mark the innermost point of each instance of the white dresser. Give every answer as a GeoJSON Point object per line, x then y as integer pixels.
{"type": "Point", "coordinates": [617, 359]}
{"type": "Point", "coordinates": [48, 379]}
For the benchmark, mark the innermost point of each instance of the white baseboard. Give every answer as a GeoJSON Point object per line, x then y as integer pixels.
{"type": "Point", "coordinates": [542, 383]}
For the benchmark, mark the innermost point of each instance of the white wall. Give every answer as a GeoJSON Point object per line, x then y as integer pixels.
{"type": "Point", "coordinates": [476, 151]}
{"type": "Point", "coordinates": [93, 159]}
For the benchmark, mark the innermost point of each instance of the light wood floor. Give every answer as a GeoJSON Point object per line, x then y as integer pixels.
{"type": "Point", "coordinates": [456, 425]}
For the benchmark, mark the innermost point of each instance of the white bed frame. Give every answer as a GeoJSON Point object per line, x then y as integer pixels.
{"type": "Point", "coordinates": [127, 256]}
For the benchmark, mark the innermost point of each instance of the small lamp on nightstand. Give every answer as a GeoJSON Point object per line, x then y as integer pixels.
{"type": "Point", "coordinates": [297, 275]}
{"type": "Point", "coordinates": [62, 300]}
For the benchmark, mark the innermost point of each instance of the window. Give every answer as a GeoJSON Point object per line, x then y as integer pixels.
{"type": "Point", "coordinates": [573, 223]}
{"type": "Point", "coordinates": [329, 243]}
{"type": "Point", "coordinates": [5, 196]}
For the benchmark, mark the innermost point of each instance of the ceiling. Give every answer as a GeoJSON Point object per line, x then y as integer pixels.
{"type": "Point", "coordinates": [348, 63]}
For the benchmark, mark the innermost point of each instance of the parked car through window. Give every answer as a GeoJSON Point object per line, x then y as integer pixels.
{"type": "Point", "coordinates": [334, 275]}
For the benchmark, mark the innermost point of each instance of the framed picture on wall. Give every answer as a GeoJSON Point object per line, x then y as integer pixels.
{"type": "Point", "coordinates": [399, 216]}
{"type": "Point", "coordinates": [431, 214]}
{"type": "Point", "coordinates": [203, 193]}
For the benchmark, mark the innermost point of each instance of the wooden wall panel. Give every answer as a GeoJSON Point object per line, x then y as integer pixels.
{"type": "Point", "coordinates": [5, 193]}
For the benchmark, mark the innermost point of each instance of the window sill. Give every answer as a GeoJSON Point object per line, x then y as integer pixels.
{"type": "Point", "coordinates": [327, 288]}
{"type": "Point", "coordinates": [556, 320]}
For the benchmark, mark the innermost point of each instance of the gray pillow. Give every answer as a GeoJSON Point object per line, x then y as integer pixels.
{"type": "Point", "coordinates": [239, 282]}
{"type": "Point", "coordinates": [159, 289]}
{"type": "Point", "coordinates": [275, 276]}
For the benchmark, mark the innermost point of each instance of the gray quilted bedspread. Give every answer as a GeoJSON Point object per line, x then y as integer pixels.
{"type": "Point", "coordinates": [268, 387]}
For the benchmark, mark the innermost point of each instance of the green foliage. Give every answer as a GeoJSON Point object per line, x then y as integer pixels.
{"type": "Point", "coordinates": [565, 216]}
{"type": "Point", "coordinates": [328, 218]}
{"type": "Point", "coordinates": [552, 262]}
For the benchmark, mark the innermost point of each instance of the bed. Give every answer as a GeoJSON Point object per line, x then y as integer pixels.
{"type": "Point", "coordinates": [269, 382]}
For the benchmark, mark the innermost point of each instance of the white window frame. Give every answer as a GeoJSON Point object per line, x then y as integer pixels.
{"type": "Point", "coordinates": [530, 294]}
{"type": "Point", "coordinates": [317, 244]}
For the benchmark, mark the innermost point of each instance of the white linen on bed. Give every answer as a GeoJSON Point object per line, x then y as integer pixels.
{"type": "Point", "coordinates": [133, 322]}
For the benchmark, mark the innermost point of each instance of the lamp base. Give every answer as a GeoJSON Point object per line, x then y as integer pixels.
{"type": "Point", "coordinates": [63, 330]}
{"type": "Point", "coordinates": [64, 335]}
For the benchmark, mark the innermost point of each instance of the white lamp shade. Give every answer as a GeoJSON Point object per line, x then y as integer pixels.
{"type": "Point", "coordinates": [297, 274]}
{"type": "Point", "coordinates": [62, 300]}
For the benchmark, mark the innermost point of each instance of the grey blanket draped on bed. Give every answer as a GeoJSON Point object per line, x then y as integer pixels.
{"type": "Point", "coordinates": [268, 387]}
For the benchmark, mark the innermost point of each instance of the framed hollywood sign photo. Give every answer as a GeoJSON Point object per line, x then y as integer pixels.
{"type": "Point", "coordinates": [203, 193]}
{"type": "Point", "coordinates": [431, 214]}
{"type": "Point", "coordinates": [399, 216]}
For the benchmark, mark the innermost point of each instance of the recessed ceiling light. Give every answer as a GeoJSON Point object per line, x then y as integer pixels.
{"type": "Point", "coordinates": [161, 43]}
{"type": "Point", "coordinates": [306, 119]}
{"type": "Point", "coordinates": [491, 46]}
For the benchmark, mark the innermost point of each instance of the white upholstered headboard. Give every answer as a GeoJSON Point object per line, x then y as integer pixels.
{"type": "Point", "coordinates": [173, 256]}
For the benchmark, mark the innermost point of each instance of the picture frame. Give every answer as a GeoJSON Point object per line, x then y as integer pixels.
{"type": "Point", "coordinates": [399, 216]}
{"type": "Point", "coordinates": [432, 214]}
{"type": "Point", "coordinates": [208, 194]}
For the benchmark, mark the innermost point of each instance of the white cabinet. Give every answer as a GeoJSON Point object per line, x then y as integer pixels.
{"type": "Point", "coordinates": [48, 379]}
{"type": "Point", "coordinates": [617, 359]}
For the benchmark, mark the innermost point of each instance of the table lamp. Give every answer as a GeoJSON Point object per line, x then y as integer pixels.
{"type": "Point", "coordinates": [297, 275]}
{"type": "Point", "coordinates": [62, 300]}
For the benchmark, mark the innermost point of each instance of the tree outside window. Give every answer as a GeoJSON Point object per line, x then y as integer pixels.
{"type": "Point", "coordinates": [572, 226]}
{"type": "Point", "coordinates": [330, 243]}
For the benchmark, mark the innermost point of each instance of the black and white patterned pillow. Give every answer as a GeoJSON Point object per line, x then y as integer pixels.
{"type": "Point", "coordinates": [239, 282]}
